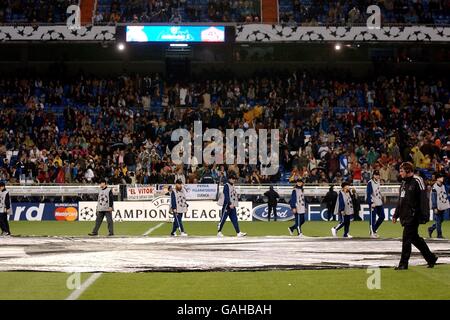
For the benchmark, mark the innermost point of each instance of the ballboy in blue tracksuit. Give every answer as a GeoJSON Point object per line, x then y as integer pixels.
{"type": "Point", "coordinates": [440, 204]}
{"type": "Point", "coordinates": [230, 203]}
{"type": "Point", "coordinates": [178, 206]}
{"type": "Point", "coordinates": [375, 203]}
{"type": "Point", "coordinates": [344, 208]}
{"type": "Point", "coordinates": [298, 207]}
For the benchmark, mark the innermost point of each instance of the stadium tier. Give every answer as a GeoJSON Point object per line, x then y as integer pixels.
{"type": "Point", "coordinates": [31, 11]}
{"type": "Point", "coordinates": [177, 11]}
{"type": "Point", "coordinates": [347, 12]}
{"type": "Point", "coordinates": [80, 130]}
{"type": "Point", "coordinates": [114, 11]}
{"type": "Point", "coordinates": [304, 12]}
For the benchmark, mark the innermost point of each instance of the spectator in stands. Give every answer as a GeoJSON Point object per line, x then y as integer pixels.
{"type": "Point", "coordinates": [354, 16]}
{"type": "Point", "coordinates": [207, 177]}
{"type": "Point", "coordinates": [98, 17]}
{"type": "Point", "coordinates": [175, 18]}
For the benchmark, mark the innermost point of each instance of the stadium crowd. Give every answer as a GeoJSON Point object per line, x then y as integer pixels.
{"type": "Point", "coordinates": [33, 11]}
{"type": "Point", "coordinates": [177, 11]}
{"type": "Point", "coordinates": [348, 12]}
{"type": "Point", "coordinates": [306, 12]}
{"type": "Point", "coordinates": [86, 128]}
{"type": "Point", "coordinates": [147, 11]}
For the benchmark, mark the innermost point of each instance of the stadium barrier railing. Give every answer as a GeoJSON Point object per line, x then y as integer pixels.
{"type": "Point", "coordinates": [283, 190]}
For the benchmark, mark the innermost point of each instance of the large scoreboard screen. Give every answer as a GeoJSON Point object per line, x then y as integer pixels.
{"type": "Point", "coordinates": [175, 33]}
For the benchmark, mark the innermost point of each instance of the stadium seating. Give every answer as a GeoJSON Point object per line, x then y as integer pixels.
{"type": "Point", "coordinates": [323, 135]}
{"type": "Point", "coordinates": [291, 11]}
{"type": "Point", "coordinates": [189, 11]}
{"type": "Point", "coordinates": [338, 12]}
{"type": "Point", "coordinates": [28, 11]}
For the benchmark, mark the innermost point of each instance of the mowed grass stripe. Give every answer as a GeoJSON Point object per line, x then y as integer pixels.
{"type": "Point", "coordinates": [301, 284]}
{"type": "Point", "coordinates": [76, 228]}
{"type": "Point", "coordinates": [36, 285]}
{"type": "Point", "coordinates": [310, 228]}
{"type": "Point", "coordinates": [416, 283]}
{"type": "Point", "coordinates": [195, 228]}
{"type": "Point", "coordinates": [83, 287]}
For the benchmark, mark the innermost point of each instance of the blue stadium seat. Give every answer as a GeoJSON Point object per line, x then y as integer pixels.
{"type": "Point", "coordinates": [425, 173]}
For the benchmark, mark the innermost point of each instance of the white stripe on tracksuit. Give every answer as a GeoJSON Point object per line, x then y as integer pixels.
{"type": "Point", "coordinates": [223, 216]}
{"type": "Point", "coordinates": [420, 181]}
{"type": "Point", "coordinates": [176, 217]}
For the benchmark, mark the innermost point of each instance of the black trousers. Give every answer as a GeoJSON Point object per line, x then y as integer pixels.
{"type": "Point", "coordinates": [330, 214]}
{"type": "Point", "coordinates": [99, 220]}
{"type": "Point", "coordinates": [411, 237]}
{"type": "Point", "coordinates": [345, 222]}
{"type": "Point", "coordinates": [4, 224]}
{"type": "Point", "coordinates": [272, 208]}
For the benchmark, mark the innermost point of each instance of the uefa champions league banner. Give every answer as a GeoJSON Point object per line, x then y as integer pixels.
{"type": "Point", "coordinates": [158, 210]}
{"type": "Point", "coordinates": [57, 33]}
{"type": "Point", "coordinates": [278, 33]}
{"type": "Point", "coordinates": [44, 211]}
{"type": "Point", "coordinates": [315, 212]}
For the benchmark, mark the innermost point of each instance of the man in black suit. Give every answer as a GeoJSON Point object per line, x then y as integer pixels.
{"type": "Point", "coordinates": [273, 197]}
{"type": "Point", "coordinates": [330, 201]}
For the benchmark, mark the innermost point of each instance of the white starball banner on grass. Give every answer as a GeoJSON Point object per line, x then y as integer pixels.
{"type": "Point", "coordinates": [158, 210]}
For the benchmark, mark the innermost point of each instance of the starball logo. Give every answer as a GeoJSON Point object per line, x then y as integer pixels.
{"type": "Point", "coordinates": [240, 145]}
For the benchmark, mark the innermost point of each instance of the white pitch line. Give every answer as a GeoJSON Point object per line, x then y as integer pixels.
{"type": "Point", "coordinates": [153, 229]}
{"type": "Point", "coordinates": [78, 292]}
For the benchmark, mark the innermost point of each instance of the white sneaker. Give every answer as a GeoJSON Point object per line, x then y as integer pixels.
{"type": "Point", "coordinates": [241, 234]}
{"type": "Point", "coordinates": [173, 235]}
{"type": "Point", "coordinates": [348, 236]}
{"type": "Point", "coordinates": [219, 234]}
{"type": "Point", "coordinates": [183, 234]}
{"type": "Point", "coordinates": [290, 231]}
{"type": "Point", "coordinates": [374, 235]}
{"type": "Point", "coordinates": [333, 232]}
{"type": "Point", "coordinates": [300, 235]}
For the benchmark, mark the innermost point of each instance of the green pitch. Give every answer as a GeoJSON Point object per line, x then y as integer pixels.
{"type": "Point", "coordinates": [416, 283]}
{"type": "Point", "coordinates": [257, 228]}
